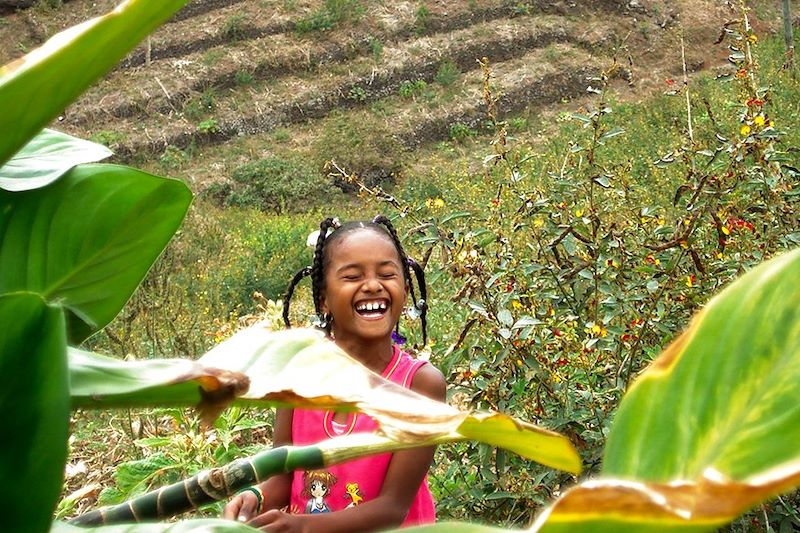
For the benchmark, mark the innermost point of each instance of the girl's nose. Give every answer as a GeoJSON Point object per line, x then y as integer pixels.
{"type": "Point", "coordinates": [372, 284]}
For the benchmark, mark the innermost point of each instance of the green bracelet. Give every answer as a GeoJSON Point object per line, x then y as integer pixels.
{"type": "Point", "coordinates": [259, 496]}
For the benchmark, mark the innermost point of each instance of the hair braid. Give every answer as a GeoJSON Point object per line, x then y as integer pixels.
{"type": "Point", "coordinates": [318, 269]}
{"type": "Point", "coordinates": [407, 262]}
{"type": "Point", "coordinates": [386, 223]}
{"type": "Point", "coordinates": [299, 275]}
{"type": "Point", "coordinates": [422, 305]}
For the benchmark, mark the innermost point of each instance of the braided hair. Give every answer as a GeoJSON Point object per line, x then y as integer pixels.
{"type": "Point", "coordinates": [330, 232]}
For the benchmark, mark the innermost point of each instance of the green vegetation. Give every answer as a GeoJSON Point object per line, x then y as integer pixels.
{"type": "Point", "coordinates": [233, 28]}
{"type": "Point", "coordinates": [357, 94]}
{"type": "Point", "coordinates": [447, 74]}
{"type": "Point", "coordinates": [460, 132]}
{"type": "Point", "coordinates": [376, 46]}
{"type": "Point", "coordinates": [244, 77]}
{"type": "Point", "coordinates": [558, 271]}
{"type": "Point", "coordinates": [329, 15]}
{"type": "Point", "coordinates": [275, 184]}
{"type": "Point", "coordinates": [411, 89]}
{"type": "Point", "coordinates": [209, 125]}
{"type": "Point", "coordinates": [422, 18]}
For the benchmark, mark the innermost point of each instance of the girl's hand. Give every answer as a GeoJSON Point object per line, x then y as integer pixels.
{"type": "Point", "coordinates": [242, 507]}
{"type": "Point", "coordinates": [277, 521]}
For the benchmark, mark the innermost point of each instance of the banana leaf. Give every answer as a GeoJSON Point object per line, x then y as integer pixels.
{"type": "Point", "coordinates": [36, 88]}
{"type": "Point", "coordinates": [279, 365]}
{"type": "Point", "coordinates": [34, 401]}
{"type": "Point", "coordinates": [47, 157]}
{"type": "Point", "coordinates": [712, 427]}
{"type": "Point", "coordinates": [88, 239]}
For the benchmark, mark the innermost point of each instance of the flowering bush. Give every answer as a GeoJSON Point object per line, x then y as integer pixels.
{"type": "Point", "coordinates": [568, 270]}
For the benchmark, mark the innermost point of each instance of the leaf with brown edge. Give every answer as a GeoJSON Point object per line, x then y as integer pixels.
{"type": "Point", "coordinates": [711, 428]}
{"type": "Point", "coordinates": [301, 367]}
{"type": "Point", "coordinates": [34, 89]}
{"type": "Point", "coordinates": [612, 504]}
{"type": "Point", "coordinates": [101, 381]}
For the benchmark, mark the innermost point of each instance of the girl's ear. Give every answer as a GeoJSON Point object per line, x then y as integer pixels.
{"type": "Point", "coordinates": [324, 304]}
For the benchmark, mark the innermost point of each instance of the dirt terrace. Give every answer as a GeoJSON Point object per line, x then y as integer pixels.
{"type": "Point", "coordinates": [225, 71]}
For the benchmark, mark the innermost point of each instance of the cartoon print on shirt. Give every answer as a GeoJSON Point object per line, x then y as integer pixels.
{"type": "Point", "coordinates": [354, 493]}
{"type": "Point", "coordinates": [316, 485]}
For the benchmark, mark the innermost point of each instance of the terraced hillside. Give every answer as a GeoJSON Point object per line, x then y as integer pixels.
{"type": "Point", "coordinates": [367, 82]}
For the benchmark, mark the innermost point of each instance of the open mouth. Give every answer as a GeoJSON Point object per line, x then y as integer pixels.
{"type": "Point", "coordinates": [372, 308]}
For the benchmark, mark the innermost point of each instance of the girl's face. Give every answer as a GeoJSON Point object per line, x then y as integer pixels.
{"type": "Point", "coordinates": [364, 286]}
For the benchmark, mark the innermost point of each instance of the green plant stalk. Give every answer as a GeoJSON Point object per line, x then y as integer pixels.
{"type": "Point", "coordinates": [206, 487]}
{"type": "Point", "coordinates": [220, 483]}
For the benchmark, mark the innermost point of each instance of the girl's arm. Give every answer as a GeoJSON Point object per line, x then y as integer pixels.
{"type": "Point", "coordinates": [276, 489]}
{"type": "Point", "coordinates": [404, 476]}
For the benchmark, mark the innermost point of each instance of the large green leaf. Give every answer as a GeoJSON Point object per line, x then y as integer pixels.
{"type": "Point", "coordinates": [37, 87]}
{"type": "Point", "coordinates": [47, 157]}
{"type": "Point", "coordinates": [712, 427]}
{"type": "Point", "coordinates": [34, 400]}
{"type": "Point", "coordinates": [339, 380]}
{"type": "Point", "coordinates": [279, 366]}
{"type": "Point", "coordinates": [98, 381]}
{"type": "Point", "coordinates": [88, 239]}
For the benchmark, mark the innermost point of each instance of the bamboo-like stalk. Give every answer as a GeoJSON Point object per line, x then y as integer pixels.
{"type": "Point", "coordinates": [220, 483]}
{"type": "Point", "coordinates": [206, 487]}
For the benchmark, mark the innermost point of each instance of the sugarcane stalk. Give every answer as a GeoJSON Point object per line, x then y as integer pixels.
{"type": "Point", "coordinates": [221, 483]}
{"type": "Point", "coordinates": [206, 487]}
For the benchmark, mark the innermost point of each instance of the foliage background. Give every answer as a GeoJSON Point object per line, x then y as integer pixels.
{"type": "Point", "coordinates": [556, 352]}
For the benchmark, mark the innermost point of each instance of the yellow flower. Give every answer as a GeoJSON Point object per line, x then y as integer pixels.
{"type": "Point", "coordinates": [579, 212]}
{"type": "Point", "coordinates": [759, 120]}
{"type": "Point", "coordinates": [719, 255]}
{"type": "Point", "coordinates": [434, 203]}
{"type": "Point", "coordinates": [657, 262]}
{"type": "Point", "coordinates": [689, 281]}
{"type": "Point", "coordinates": [753, 38]}
{"type": "Point", "coordinates": [519, 362]}
{"type": "Point", "coordinates": [745, 130]}
{"type": "Point", "coordinates": [596, 329]}
{"type": "Point", "coordinates": [726, 231]}
{"type": "Point", "coordinates": [516, 304]}
{"type": "Point", "coordinates": [538, 223]}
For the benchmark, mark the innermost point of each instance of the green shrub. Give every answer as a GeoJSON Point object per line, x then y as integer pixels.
{"type": "Point", "coordinates": [243, 77]}
{"type": "Point", "coordinates": [365, 147]}
{"type": "Point", "coordinates": [210, 125]}
{"type": "Point", "coordinates": [461, 132]}
{"type": "Point", "coordinates": [172, 158]}
{"type": "Point", "coordinates": [422, 18]}
{"type": "Point", "coordinates": [275, 184]}
{"type": "Point", "coordinates": [233, 28]}
{"type": "Point", "coordinates": [357, 94]}
{"type": "Point", "coordinates": [410, 89]}
{"type": "Point", "coordinates": [376, 47]}
{"type": "Point", "coordinates": [447, 74]}
{"type": "Point", "coordinates": [329, 15]}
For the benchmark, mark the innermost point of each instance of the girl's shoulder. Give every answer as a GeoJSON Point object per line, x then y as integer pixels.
{"type": "Point", "coordinates": [429, 381]}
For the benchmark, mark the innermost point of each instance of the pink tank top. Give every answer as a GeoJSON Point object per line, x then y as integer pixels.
{"type": "Point", "coordinates": [349, 484]}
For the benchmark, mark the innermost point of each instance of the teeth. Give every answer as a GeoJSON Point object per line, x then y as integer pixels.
{"type": "Point", "coordinates": [371, 306]}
